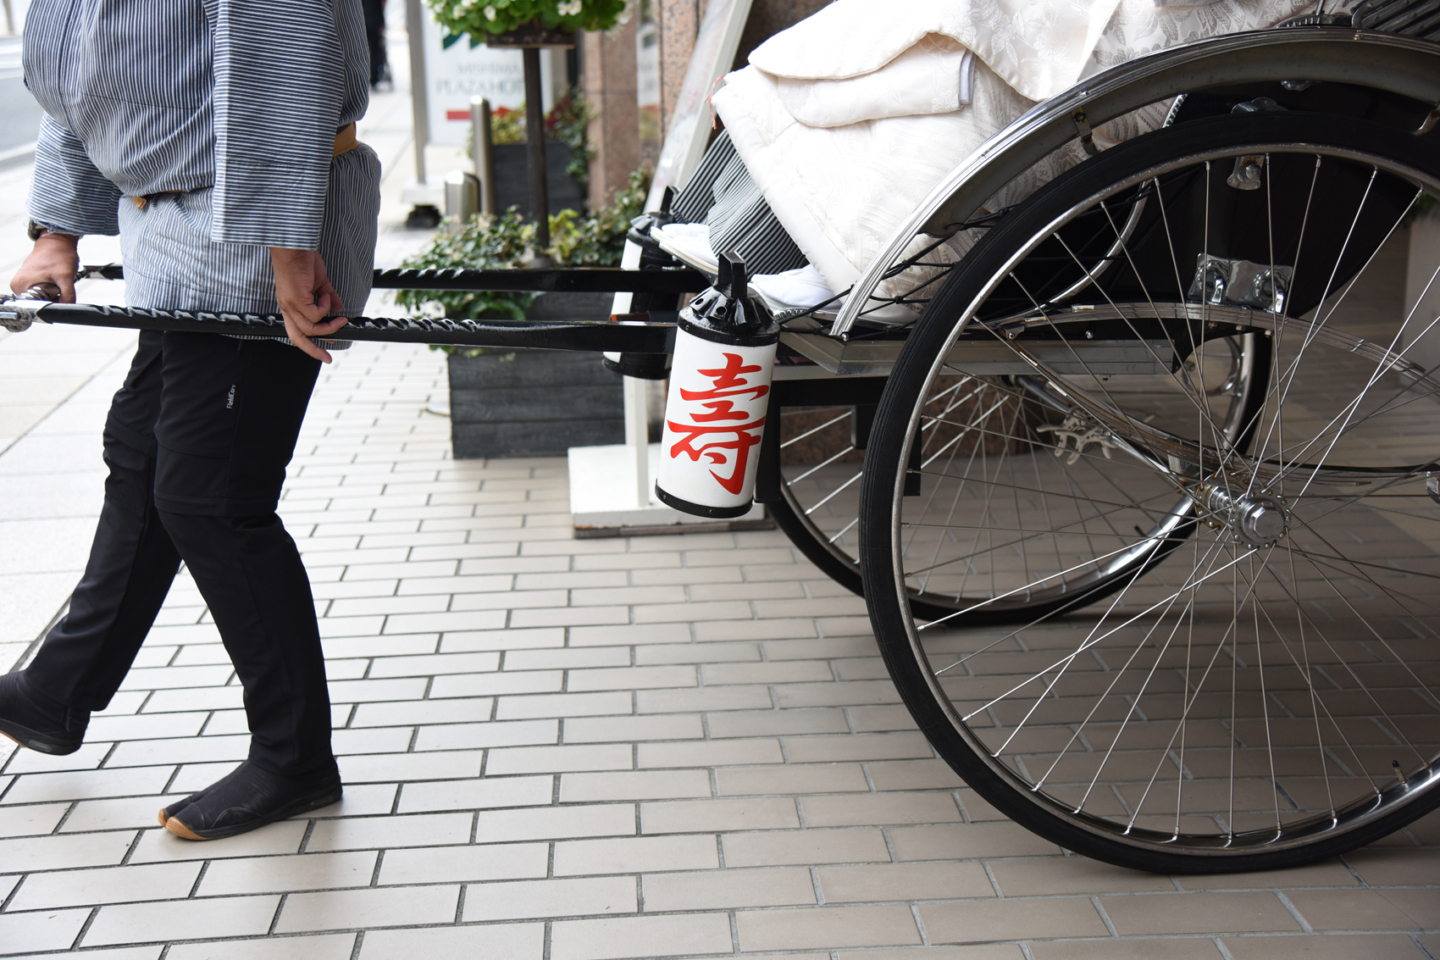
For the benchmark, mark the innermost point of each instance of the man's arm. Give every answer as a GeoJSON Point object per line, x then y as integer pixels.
{"type": "Point", "coordinates": [279, 86]}
{"type": "Point", "coordinates": [68, 198]}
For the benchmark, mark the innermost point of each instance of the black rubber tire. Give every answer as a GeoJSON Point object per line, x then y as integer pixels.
{"type": "Point", "coordinates": [889, 615]}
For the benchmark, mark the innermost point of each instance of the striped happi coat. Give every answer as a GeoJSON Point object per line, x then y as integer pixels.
{"type": "Point", "coordinates": [221, 115]}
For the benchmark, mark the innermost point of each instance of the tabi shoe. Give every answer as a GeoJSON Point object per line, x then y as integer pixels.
{"type": "Point", "coordinates": [34, 720]}
{"type": "Point", "coordinates": [247, 798]}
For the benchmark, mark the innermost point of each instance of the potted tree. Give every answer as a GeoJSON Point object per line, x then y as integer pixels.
{"type": "Point", "coordinates": [529, 25]}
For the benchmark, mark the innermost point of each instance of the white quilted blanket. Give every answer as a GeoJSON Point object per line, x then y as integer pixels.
{"type": "Point", "coordinates": [847, 119]}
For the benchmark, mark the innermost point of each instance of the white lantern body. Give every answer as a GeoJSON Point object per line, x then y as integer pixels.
{"type": "Point", "coordinates": [714, 421]}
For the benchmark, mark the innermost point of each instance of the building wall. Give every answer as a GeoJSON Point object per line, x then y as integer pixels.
{"type": "Point", "coordinates": [609, 70]}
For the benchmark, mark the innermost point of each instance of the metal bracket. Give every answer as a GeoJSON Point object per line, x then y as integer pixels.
{"type": "Point", "coordinates": [1429, 122]}
{"type": "Point", "coordinates": [1087, 136]}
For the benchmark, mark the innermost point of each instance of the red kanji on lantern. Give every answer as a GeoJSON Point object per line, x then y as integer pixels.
{"type": "Point", "coordinates": [700, 437]}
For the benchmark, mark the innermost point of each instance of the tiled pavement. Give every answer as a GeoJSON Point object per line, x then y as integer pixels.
{"type": "Point", "coordinates": [590, 749]}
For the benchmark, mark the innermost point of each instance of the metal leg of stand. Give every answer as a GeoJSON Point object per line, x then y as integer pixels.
{"type": "Point", "coordinates": [637, 436]}
{"type": "Point", "coordinates": [535, 144]}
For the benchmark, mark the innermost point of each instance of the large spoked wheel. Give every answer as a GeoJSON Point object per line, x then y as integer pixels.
{"type": "Point", "coordinates": [1232, 479]}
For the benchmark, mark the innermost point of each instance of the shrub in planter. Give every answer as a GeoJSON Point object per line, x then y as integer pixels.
{"type": "Point", "coordinates": [529, 402]}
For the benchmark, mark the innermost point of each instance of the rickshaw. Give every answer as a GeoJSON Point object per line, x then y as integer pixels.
{"type": "Point", "coordinates": [1144, 495]}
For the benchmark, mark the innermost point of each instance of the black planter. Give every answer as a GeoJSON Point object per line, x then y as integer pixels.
{"type": "Point", "coordinates": [536, 403]}
{"type": "Point", "coordinates": [512, 178]}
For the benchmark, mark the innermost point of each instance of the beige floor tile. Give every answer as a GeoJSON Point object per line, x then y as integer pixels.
{"type": "Point", "coordinates": [31, 820]}
{"type": "Point", "coordinates": [1421, 905]}
{"type": "Point", "coordinates": [63, 851]}
{"type": "Point", "coordinates": [877, 746]}
{"type": "Point", "coordinates": [978, 921]}
{"type": "Point", "coordinates": [626, 937]}
{"type": "Point", "coordinates": [802, 929]}
{"type": "Point", "coordinates": [729, 888]}
{"type": "Point", "coordinates": [88, 757]}
{"type": "Point", "coordinates": [159, 846]}
{"type": "Point", "coordinates": [703, 698]}
{"type": "Point", "coordinates": [835, 693]}
{"type": "Point", "coordinates": [847, 810]}
{"type": "Point", "coordinates": [509, 733]}
{"type": "Point", "coordinates": [848, 845]}
{"type": "Point", "coordinates": [1347, 947]}
{"type": "Point", "coordinates": [530, 899]}
{"type": "Point", "coordinates": [635, 855]}
{"type": "Point", "coordinates": [627, 634]}
{"type": "Point", "coordinates": [770, 723]}
{"type": "Point", "coordinates": [1049, 876]}
{"type": "Point", "coordinates": [904, 881]}
{"type": "Point", "coordinates": [914, 775]}
{"type": "Point", "coordinates": [554, 823]}
{"type": "Point", "coordinates": [1110, 949]}
{"type": "Point", "coordinates": [982, 951]}
{"type": "Point", "coordinates": [505, 941]}
{"type": "Point", "coordinates": [145, 726]}
{"type": "Point", "coordinates": [387, 768]}
{"type": "Point", "coordinates": [110, 953]}
{"type": "Point", "coordinates": [88, 888]}
{"type": "Point", "coordinates": [181, 920]}
{"type": "Point", "coordinates": [1328, 873]}
{"type": "Point", "coordinates": [826, 648]}
{"type": "Point", "coordinates": [388, 907]}
{"type": "Point", "coordinates": [474, 794]}
{"type": "Point", "coordinates": [709, 653]}
{"type": "Point", "coordinates": [512, 861]}
{"type": "Point", "coordinates": [633, 785]}
{"type": "Point", "coordinates": [1350, 910]}
{"type": "Point", "coordinates": [88, 785]}
{"type": "Point", "coordinates": [417, 830]}
{"type": "Point", "coordinates": [556, 759]}
{"type": "Point", "coordinates": [710, 816]}
{"type": "Point", "coordinates": [564, 705]}
{"type": "Point", "coordinates": [434, 665]}
{"type": "Point", "coordinates": [790, 779]}
{"type": "Point", "coordinates": [1396, 866]}
{"type": "Point", "coordinates": [314, 871]}
{"type": "Point", "coordinates": [567, 658]}
{"type": "Point", "coordinates": [1171, 913]}
{"type": "Point", "coordinates": [968, 840]}
{"type": "Point", "coordinates": [709, 753]}
{"type": "Point", "coordinates": [774, 671]}
{"type": "Point", "coordinates": [44, 930]}
{"type": "Point", "coordinates": [330, 946]}
{"type": "Point", "coordinates": [495, 684]}
{"type": "Point", "coordinates": [613, 729]}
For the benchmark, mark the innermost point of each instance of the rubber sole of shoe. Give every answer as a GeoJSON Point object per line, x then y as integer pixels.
{"type": "Point", "coordinates": [301, 805]}
{"type": "Point", "coordinates": [34, 741]}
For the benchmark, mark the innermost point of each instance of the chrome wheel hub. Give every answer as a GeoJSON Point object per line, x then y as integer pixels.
{"type": "Point", "coordinates": [1257, 519]}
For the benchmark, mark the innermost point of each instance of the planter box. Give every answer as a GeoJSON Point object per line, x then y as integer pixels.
{"type": "Point", "coordinates": [512, 179]}
{"type": "Point", "coordinates": [536, 403]}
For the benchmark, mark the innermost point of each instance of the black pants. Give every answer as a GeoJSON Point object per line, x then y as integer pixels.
{"type": "Point", "coordinates": [197, 441]}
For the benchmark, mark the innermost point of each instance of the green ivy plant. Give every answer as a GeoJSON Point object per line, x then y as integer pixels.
{"type": "Point", "coordinates": [481, 17]}
{"type": "Point", "coordinates": [505, 242]}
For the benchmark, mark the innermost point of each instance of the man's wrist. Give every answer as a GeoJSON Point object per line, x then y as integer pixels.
{"type": "Point", "coordinates": [37, 232]}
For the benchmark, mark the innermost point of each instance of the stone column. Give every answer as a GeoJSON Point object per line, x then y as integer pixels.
{"type": "Point", "coordinates": [680, 22]}
{"type": "Point", "coordinates": [608, 65]}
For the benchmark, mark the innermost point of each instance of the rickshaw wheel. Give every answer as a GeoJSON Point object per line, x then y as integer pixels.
{"type": "Point", "coordinates": [1258, 686]}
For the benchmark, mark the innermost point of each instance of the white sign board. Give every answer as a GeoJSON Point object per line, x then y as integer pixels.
{"type": "Point", "coordinates": [458, 72]}
{"type": "Point", "coordinates": [715, 46]}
